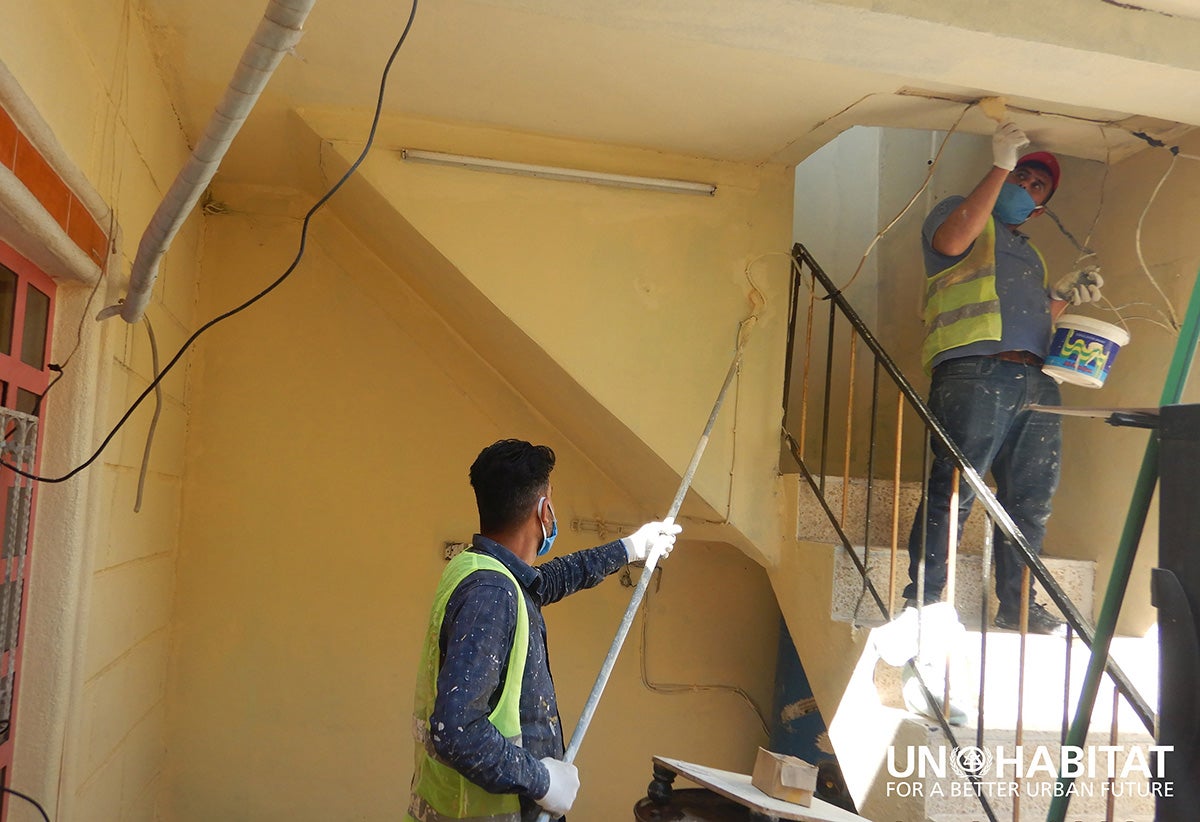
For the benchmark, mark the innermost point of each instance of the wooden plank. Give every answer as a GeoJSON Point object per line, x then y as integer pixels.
{"type": "Point", "coordinates": [736, 786]}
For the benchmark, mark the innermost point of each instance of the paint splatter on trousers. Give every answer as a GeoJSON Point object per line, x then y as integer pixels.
{"type": "Point", "coordinates": [982, 403]}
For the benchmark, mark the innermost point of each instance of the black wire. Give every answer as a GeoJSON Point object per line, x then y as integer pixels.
{"type": "Point", "coordinates": [28, 799]}
{"type": "Point", "coordinates": [278, 281]}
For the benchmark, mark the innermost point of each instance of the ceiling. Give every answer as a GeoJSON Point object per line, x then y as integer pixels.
{"type": "Point", "coordinates": [751, 81]}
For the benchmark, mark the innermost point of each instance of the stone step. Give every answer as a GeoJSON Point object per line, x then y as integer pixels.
{"type": "Point", "coordinates": [813, 524]}
{"type": "Point", "coordinates": [1075, 577]}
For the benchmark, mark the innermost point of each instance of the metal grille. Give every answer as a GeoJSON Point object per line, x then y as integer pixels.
{"type": "Point", "coordinates": [18, 447]}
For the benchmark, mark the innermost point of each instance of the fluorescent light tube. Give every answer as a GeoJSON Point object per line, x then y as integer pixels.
{"type": "Point", "coordinates": [574, 175]}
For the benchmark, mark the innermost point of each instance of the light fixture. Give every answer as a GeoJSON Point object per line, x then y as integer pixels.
{"type": "Point", "coordinates": [555, 173]}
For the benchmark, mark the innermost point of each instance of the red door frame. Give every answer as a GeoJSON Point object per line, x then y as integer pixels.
{"type": "Point", "coordinates": [18, 374]}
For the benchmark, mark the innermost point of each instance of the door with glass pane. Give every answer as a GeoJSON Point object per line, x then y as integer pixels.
{"type": "Point", "coordinates": [26, 317]}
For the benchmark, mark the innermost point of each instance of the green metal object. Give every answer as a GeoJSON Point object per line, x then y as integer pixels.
{"type": "Point", "coordinates": [1135, 520]}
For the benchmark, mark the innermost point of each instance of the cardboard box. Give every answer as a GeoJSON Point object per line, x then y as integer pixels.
{"type": "Point", "coordinates": [784, 777]}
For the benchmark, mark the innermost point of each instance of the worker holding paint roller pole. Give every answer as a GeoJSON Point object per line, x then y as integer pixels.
{"type": "Point", "coordinates": [989, 316]}
{"type": "Point", "coordinates": [489, 741]}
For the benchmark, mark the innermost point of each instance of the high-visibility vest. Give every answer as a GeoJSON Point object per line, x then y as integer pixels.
{"type": "Point", "coordinates": [439, 792]}
{"type": "Point", "coordinates": [961, 304]}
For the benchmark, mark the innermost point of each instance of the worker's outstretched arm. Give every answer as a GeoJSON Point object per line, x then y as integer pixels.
{"type": "Point", "coordinates": [965, 223]}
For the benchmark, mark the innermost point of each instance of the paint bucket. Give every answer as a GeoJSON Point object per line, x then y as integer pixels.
{"type": "Point", "coordinates": [1083, 350]}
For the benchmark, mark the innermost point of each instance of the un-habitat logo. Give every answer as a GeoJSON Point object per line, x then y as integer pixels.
{"type": "Point", "coordinates": [1134, 770]}
{"type": "Point", "coordinates": [971, 762]}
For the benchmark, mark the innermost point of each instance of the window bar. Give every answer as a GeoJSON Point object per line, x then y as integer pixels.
{"type": "Point", "coordinates": [828, 392]}
{"type": "Point", "coordinates": [1024, 627]}
{"type": "Point", "coordinates": [985, 587]}
{"type": "Point", "coordinates": [895, 503]}
{"type": "Point", "coordinates": [21, 448]}
{"type": "Point", "coordinates": [849, 428]}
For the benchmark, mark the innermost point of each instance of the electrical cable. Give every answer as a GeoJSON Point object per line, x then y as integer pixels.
{"type": "Point", "coordinates": [916, 194]}
{"type": "Point", "coordinates": [1137, 244]}
{"type": "Point", "coordinates": [60, 368]}
{"type": "Point", "coordinates": [317, 206]}
{"type": "Point", "coordinates": [679, 688]}
{"type": "Point", "coordinates": [1087, 241]}
{"type": "Point", "coordinates": [1084, 251]}
{"type": "Point", "coordinates": [158, 405]}
{"type": "Point", "coordinates": [29, 799]}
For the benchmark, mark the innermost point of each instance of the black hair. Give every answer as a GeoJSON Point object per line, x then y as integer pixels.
{"type": "Point", "coordinates": [1040, 166]}
{"type": "Point", "coordinates": [508, 477]}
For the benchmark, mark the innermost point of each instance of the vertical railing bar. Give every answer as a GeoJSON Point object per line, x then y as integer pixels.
{"type": "Point", "coordinates": [828, 395]}
{"type": "Point", "coordinates": [871, 446]}
{"type": "Point", "coordinates": [952, 539]}
{"type": "Point", "coordinates": [984, 587]}
{"type": "Point", "coordinates": [849, 427]}
{"type": "Point", "coordinates": [1024, 628]}
{"type": "Point", "coordinates": [808, 349]}
{"type": "Point", "coordinates": [924, 527]}
{"type": "Point", "coordinates": [795, 277]}
{"type": "Point", "coordinates": [895, 503]}
{"type": "Point", "coordinates": [921, 554]}
{"type": "Point", "coordinates": [1066, 717]}
{"type": "Point", "coordinates": [951, 561]}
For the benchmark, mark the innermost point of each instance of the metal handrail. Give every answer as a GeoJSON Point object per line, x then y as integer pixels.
{"type": "Point", "coordinates": [802, 259]}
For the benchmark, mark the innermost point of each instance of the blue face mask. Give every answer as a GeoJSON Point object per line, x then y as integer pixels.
{"type": "Point", "coordinates": [1014, 205]}
{"type": "Point", "coordinates": [547, 539]}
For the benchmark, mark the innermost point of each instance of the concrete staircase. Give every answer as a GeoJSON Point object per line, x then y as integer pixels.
{"type": "Point", "coordinates": [1049, 679]}
{"type": "Point", "coordinates": [1076, 577]}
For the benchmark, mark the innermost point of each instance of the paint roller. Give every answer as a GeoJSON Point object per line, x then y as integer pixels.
{"type": "Point", "coordinates": [994, 107]}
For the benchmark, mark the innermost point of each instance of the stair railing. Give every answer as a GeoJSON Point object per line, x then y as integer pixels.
{"type": "Point", "coordinates": [909, 401]}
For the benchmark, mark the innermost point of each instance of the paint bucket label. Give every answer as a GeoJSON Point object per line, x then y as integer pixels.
{"type": "Point", "coordinates": [1084, 350]}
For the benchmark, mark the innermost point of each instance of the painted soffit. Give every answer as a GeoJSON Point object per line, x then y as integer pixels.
{"type": "Point", "coordinates": [752, 81]}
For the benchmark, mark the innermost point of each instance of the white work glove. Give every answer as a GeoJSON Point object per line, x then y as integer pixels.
{"type": "Point", "coordinates": [1007, 142]}
{"type": "Point", "coordinates": [564, 786]}
{"type": "Point", "coordinates": [639, 544]}
{"type": "Point", "coordinates": [1079, 287]}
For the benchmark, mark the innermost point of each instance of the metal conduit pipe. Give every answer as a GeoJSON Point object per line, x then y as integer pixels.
{"type": "Point", "coordinates": [277, 34]}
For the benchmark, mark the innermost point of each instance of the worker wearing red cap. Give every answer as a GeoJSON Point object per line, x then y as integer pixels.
{"type": "Point", "coordinates": [989, 321]}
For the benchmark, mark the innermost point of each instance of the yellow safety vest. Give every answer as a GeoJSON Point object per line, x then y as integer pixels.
{"type": "Point", "coordinates": [961, 304]}
{"type": "Point", "coordinates": [439, 792]}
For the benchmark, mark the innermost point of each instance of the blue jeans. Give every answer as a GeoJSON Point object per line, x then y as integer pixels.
{"type": "Point", "coordinates": [981, 403]}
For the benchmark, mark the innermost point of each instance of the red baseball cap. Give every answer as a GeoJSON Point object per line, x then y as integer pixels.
{"type": "Point", "coordinates": [1048, 160]}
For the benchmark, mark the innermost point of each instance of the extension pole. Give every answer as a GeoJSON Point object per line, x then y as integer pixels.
{"type": "Point", "coordinates": [639, 593]}
{"type": "Point", "coordinates": [1131, 535]}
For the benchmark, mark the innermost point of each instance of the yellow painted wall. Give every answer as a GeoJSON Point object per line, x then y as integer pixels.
{"type": "Point", "coordinates": [333, 429]}
{"type": "Point", "coordinates": [636, 295]}
{"type": "Point", "coordinates": [90, 731]}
